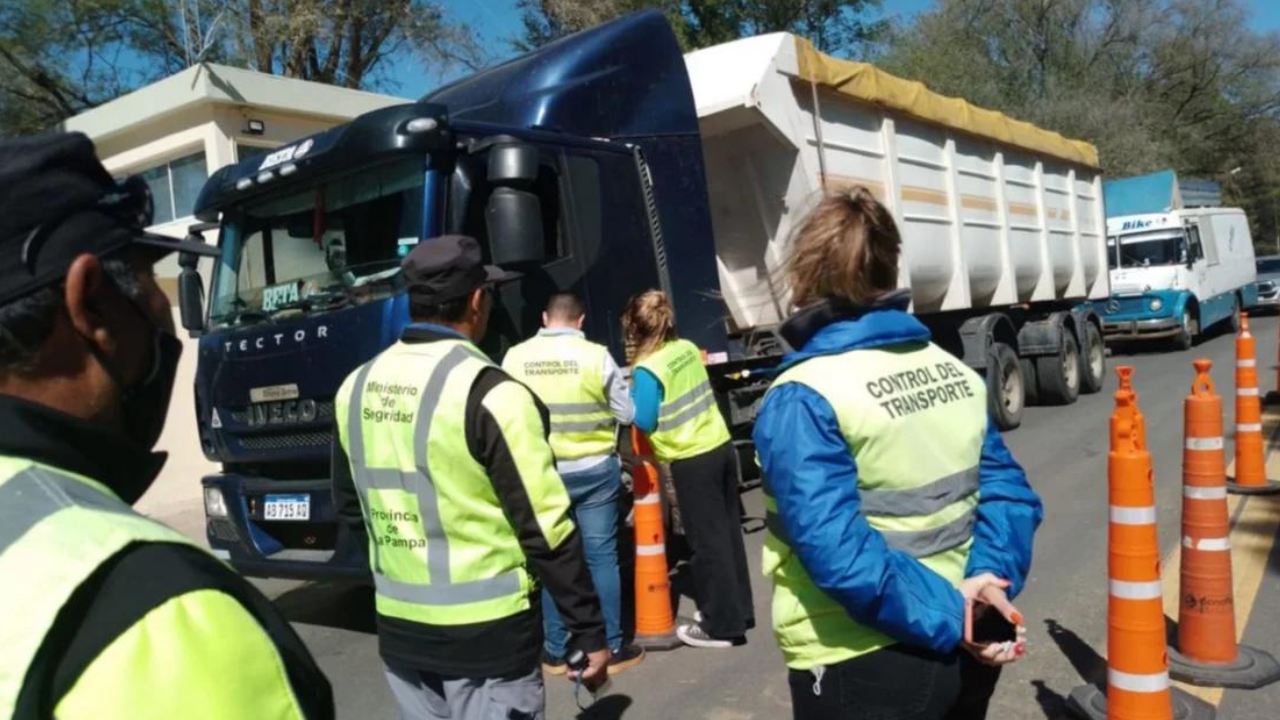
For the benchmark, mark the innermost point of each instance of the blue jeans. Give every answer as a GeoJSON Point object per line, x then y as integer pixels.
{"type": "Point", "coordinates": [594, 497]}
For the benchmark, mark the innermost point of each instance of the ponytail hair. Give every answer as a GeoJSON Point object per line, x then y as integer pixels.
{"type": "Point", "coordinates": [647, 324]}
{"type": "Point", "coordinates": [847, 248]}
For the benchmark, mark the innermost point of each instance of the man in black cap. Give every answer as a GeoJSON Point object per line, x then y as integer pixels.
{"type": "Point", "coordinates": [105, 613]}
{"type": "Point", "coordinates": [443, 458]}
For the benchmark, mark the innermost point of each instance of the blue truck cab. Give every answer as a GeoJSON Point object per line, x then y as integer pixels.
{"type": "Point", "coordinates": [1175, 274]}
{"type": "Point", "coordinates": [579, 165]}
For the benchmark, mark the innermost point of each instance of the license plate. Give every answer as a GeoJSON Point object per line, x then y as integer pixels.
{"type": "Point", "coordinates": [287, 507]}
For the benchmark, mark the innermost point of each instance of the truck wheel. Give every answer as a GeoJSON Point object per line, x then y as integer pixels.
{"type": "Point", "coordinates": [1058, 376]}
{"type": "Point", "coordinates": [1093, 361]}
{"type": "Point", "coordinates": [1235, 316]}
{"type": "Point", "coordinates": [1006, 388]}
{"type": "Point", "coordinates": [1186, 336]}
{"type": "Point", "coordinates": [1030, 391]}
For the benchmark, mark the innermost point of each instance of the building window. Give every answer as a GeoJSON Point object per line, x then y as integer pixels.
{"type": "Point", "coordinates": [175, 186]}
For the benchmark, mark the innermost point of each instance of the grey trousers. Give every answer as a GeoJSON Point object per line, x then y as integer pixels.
{"type": "Point", "coordinates": [427, 696]}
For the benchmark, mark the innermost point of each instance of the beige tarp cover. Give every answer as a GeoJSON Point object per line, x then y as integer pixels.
{"type": "Point", "coordinates": [864, 82]}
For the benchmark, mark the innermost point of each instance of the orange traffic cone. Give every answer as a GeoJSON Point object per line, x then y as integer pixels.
{"type": "Point", "coordinates": [1251, 466]}
{"type": "Point", "coordinates": [1137, 665]}
{"type": "Point", "coordinates": [655, 622]}
{"type": "Point", "coordinates": [1207, 653]}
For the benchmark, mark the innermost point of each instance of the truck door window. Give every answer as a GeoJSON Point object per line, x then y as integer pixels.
{"type": "Point", "coordinates": [1208, 241]}
{"type": "Point", "coordinates": [320, 248]}
{"type": "Point", "coordinates": [1195, 249]}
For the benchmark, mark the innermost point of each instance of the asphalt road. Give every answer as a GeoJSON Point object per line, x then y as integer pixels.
{"type": "Point", "coordinates": [1064, 451]}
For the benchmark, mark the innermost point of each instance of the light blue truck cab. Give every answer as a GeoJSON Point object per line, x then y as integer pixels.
{"type": "Point", "coordinates": [1175, 274]}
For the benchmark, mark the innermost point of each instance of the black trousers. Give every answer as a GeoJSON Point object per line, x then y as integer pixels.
{"type": "Point", "coordinates": [707, 490]}
{"type": "Point", "coordinates": [901, 683]}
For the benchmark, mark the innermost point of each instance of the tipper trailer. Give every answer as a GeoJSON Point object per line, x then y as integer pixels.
{"type": "Point", "coordinates": [605, 165]}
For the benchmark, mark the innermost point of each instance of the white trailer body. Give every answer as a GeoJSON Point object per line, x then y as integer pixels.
{"type": "Point", "coordinates": [994, 214]}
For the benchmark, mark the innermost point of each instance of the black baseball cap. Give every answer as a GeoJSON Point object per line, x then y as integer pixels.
{"type": "Point", "coordinates": [57, 202]}
{"type": "Point", "coordinates": [448, 267]}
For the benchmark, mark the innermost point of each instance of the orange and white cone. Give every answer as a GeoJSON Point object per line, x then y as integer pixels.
{"type": "Point", "coordinates": [1206, 652]}
{"type": "Point", "coordinates": [1251, 465]}
{"type": "Point", "coordinates": [1137, 661]}
{"type": "Point", "coordinates": [655, 621]}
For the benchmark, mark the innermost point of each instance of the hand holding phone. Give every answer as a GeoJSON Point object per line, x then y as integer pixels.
{"type": "Point", "coordinates": [999, 650]}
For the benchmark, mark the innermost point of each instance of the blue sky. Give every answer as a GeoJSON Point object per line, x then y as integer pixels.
{"type": "Point", "coordinates": [498, 20]}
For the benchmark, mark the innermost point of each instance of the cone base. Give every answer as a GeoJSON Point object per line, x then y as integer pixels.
{"type": "Point", "coordinates": [1089, 703]}
{"type": "Point", "coordinates": [658, 641]}
{"type": "Point", "coordinates": [1270, 488]}
{"type": "Point", "coordinates": [1252, 669]}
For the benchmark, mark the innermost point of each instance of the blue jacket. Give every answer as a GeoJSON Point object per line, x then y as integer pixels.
{"type": "Point", "coordinates": [814, 477]}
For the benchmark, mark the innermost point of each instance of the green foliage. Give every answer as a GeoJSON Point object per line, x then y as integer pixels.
{"type": "Point", "coordinates": [836, 26]}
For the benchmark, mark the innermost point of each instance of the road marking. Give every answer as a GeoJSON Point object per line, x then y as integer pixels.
{"type": "Point", "coordinates": [1258, 517]}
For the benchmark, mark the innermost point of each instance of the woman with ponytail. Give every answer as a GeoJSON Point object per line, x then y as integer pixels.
{"type": "Point", "coordinates": [893, 509]}
{"type": "Point", "coordinates": [675, 405]}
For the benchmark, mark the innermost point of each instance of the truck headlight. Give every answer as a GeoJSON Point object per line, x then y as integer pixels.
{"type": "Point", "coordinates": [1155, 304]}
{"type": "Point", "coordinates": [214, 504]}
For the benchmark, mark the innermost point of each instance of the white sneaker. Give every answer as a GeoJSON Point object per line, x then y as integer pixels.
{"type": "Point", "coordinates": [693, 635]}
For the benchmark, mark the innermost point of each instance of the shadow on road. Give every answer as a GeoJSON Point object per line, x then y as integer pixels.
{"type": "Point", "coordinates": [609, 707]}
{"type": "Point", "coordinates": [343, 606]}
{"type": "Point", "coordinates": [1091, 667]}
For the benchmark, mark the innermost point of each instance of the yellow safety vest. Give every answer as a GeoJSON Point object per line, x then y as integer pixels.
{"type": "Point", "coordinates": [914, 421]}
{"type": "Point", "coordinates": [56, 530]}
{"type": "Point", "coordinates": [441, 549]}
{"type": "Point", "coordinates": [566, 372]}
{"type": "Point", "coordinates": [689, 422]}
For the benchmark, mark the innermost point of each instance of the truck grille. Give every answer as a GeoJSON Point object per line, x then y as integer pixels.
{"type": "Point", "coordinates": [324, 411]}
{"type": "Point", "coordinates": [286, 441]}
{"type": "Point", "coordinates": [1126, 305]}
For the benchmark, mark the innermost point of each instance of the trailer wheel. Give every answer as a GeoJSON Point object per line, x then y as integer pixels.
{"type": "Point", "coordinates": [1058, 376]}
{"type": "Point", "coordinates": [1006, 387]}
{"type": "Point", "coordinates": [1093, 365]}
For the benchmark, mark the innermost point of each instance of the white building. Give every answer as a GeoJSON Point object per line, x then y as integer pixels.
{"type": "Point", "coordinates": [176, 133]}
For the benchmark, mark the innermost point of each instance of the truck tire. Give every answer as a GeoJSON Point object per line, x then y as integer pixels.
{"type": "Point", "coordinates": [1006, 387]}
{"type": "Point", "coordinates": [1030, 392]}
{"type": "Point", "coordinates": [1236, 311]}
{"type": "Point", "coordinates": [1186, 337]}
{"type": "Point", "coordinates": [1058, 376]}
{"type": "Point", "coordinates": [1093, 361]}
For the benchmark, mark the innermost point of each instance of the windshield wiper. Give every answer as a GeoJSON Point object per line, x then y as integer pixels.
{"type": "Point", "coordinates": [243, 316]}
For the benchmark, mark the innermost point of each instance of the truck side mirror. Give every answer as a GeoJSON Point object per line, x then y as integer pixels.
{"type": "Point", "coordinates": [513, 215]}
{"type": "Point", "coordinates": [514, 221]}
{"type": "Point", "coordinates": [190, 295]}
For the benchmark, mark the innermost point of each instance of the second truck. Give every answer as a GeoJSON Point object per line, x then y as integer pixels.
{"type": "Point", "coordinates": [606, 164]}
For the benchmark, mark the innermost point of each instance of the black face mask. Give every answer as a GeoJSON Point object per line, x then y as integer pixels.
{"type": "Point", "coordinates": [145, 404]}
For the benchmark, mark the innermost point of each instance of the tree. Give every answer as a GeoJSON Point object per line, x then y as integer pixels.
{"type": "Point", "coordinates": [836, 26]}
{"type": "Point", "coordinates": [62, 57]}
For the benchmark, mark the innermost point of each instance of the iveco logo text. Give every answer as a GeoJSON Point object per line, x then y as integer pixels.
{"type": "Point", "coordinates": [274, 340]}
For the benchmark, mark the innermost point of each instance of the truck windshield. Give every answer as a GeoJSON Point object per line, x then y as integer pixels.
{"type": "Point", "coordinates": [320, 248]}
{"type": "Point", "coordinates": [1147, 249]}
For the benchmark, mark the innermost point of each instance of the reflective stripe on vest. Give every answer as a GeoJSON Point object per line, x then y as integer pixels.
{"type": "Point", "coordinates": [413, 543]}
{"type": "Point", "coordinates": [566, 372]}
{"type": "Point", "coordinates": [56, 530]}
{"type": "Point", "coordinates": [689, 421]}
{"type": "Point", "coordinates": [923, 500]}
{"type": "Point", "coordinates": [917, 419]}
